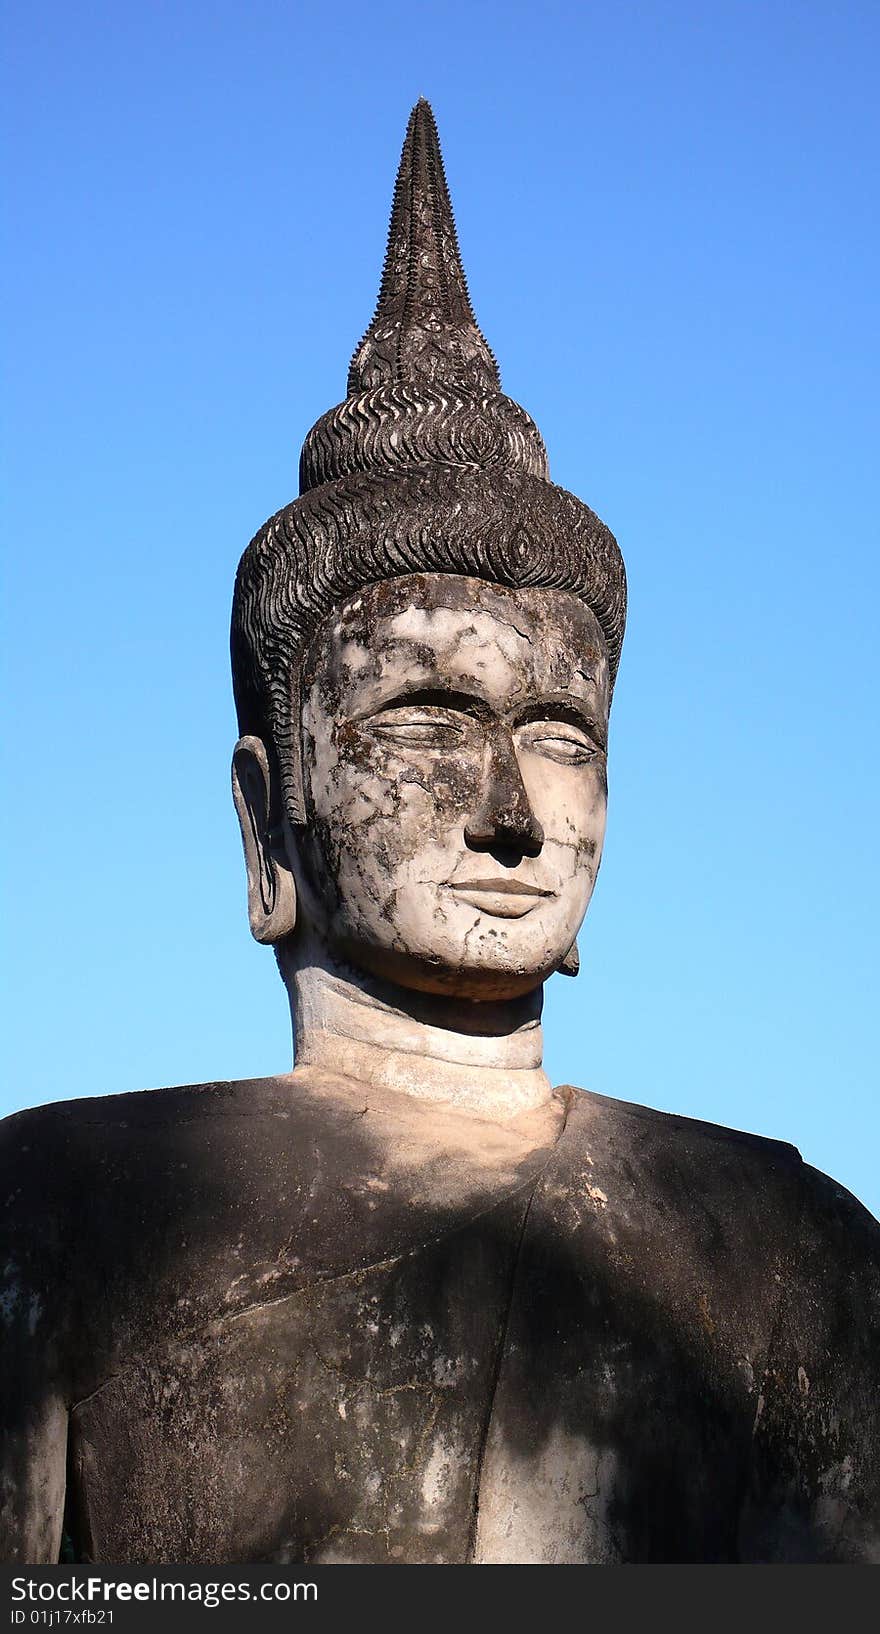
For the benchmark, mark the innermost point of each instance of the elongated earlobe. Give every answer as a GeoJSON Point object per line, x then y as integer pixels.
{"type": "Point", "coordinates": [270, 882]}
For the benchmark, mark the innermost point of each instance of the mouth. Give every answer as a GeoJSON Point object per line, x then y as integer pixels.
{"type": "Point", "coordinates": [503, 898]}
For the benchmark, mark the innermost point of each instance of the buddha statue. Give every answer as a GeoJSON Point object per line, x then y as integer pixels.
{"type": "Point", "coordinates": [408, 1302]}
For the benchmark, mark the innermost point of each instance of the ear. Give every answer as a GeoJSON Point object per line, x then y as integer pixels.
{"type": "Point", "coordinates": [270, 882]}
{"type": "Point", "coordinates": [571, 964]}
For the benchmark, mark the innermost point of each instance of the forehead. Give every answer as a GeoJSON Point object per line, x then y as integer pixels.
{"type": "Point", "coordinates": [447, 630]}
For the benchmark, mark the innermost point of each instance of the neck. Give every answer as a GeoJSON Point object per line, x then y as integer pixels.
{"type": "Point", "coordinates": [482, 1058]}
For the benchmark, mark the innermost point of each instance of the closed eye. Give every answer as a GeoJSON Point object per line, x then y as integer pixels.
{"type": "Point", "coordinates": [419, 727]}
{"type": "Point", "coordinates": [562, 741]}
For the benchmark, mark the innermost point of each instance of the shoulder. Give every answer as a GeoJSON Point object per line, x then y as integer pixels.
{"type": "Point", "coordinates": [650, 1124]}
{"type": "Point", "coordinates": [54, 1158]}
{"type": "Point", "coordinates": [103, 1178]}
{"type": "Point", "coordinates": [132, 1217]}
{"type": "Point", "coordinates": [693, 1221]}
{"type": "Point", "coordinates": [59, 1122]}
{"type": "Point", "coordinates": [833, 1303]}
{"type": "Point", "coordinates": [682, 1158]}
{"type": "Point", "coordinates": [78, 1138]}
{"type": "Point", "coordinates": [66, 1168]}
{"type": "Point", "coordinates": [92, 1182]}
{"type": "Point", "coordinates": [712, 1161]}
{"type": "Point", "coordinates": [835, 1216]}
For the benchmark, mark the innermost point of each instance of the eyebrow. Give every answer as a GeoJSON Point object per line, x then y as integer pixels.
{"type": "Point", "coordinates": [447, 698]}
{"type": "Point", "coordinates": [564, 706]}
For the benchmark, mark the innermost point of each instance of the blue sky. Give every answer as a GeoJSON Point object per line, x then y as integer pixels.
{"type": "Point", "coordinates": [668, 219]}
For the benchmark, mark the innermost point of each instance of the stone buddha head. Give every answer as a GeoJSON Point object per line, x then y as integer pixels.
{"type": "Point", "coordinates": [424, 647]}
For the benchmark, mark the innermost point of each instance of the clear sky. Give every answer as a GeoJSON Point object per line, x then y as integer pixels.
{"type": "Point", "coordinates": [668, 217]}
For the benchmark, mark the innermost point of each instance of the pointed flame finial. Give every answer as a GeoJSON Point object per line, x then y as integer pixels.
{"type": "Point", "coordinates": [424, 327]}
{"type": "Point", "coordinates": [423, 387]}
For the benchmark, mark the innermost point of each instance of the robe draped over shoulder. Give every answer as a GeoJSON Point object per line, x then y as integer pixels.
{"type": "Point", "coordinates": [245, 1324]}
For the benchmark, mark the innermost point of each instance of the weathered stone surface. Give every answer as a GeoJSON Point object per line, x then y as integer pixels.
{"type": "Point", "coordinates": [408, 1303]}
{"type": "Point", "coordinates": [295, 1321]}
{"type": "Point", "coordinates": [437, 710]}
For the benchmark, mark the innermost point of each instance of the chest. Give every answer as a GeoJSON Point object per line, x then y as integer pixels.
{"type": "Point", "coordinates": [505, 1393]}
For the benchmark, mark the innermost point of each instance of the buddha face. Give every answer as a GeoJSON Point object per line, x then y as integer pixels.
{"type": "Point", "coordinates": [453, 739]}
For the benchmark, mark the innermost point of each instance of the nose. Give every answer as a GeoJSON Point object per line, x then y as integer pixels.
{"type": "Point", "coordinates": [504, 820]}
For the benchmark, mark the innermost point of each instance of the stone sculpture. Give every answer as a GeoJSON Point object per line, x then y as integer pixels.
{"type": "Point", "coordinates": [408, 1303]}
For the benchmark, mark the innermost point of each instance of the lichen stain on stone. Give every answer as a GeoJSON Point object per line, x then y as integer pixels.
{"type": "Point", "coordinates": [706, 1316]}
{"type": "Point", "coordinates": [437, 1480]}
{"type": "Point", "coordinates": [11, 1293]}
{"type": "Point", "coordinates": [548, 1507]}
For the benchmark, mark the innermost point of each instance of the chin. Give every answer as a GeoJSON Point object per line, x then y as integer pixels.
{"type": "Point", "coordinates": [471, 976]}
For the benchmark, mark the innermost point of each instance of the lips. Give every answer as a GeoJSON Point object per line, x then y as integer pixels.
{"type": "Point", "coordinates": [499, 887]}
{"type": "Point", "coordinates": [502, 898]}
